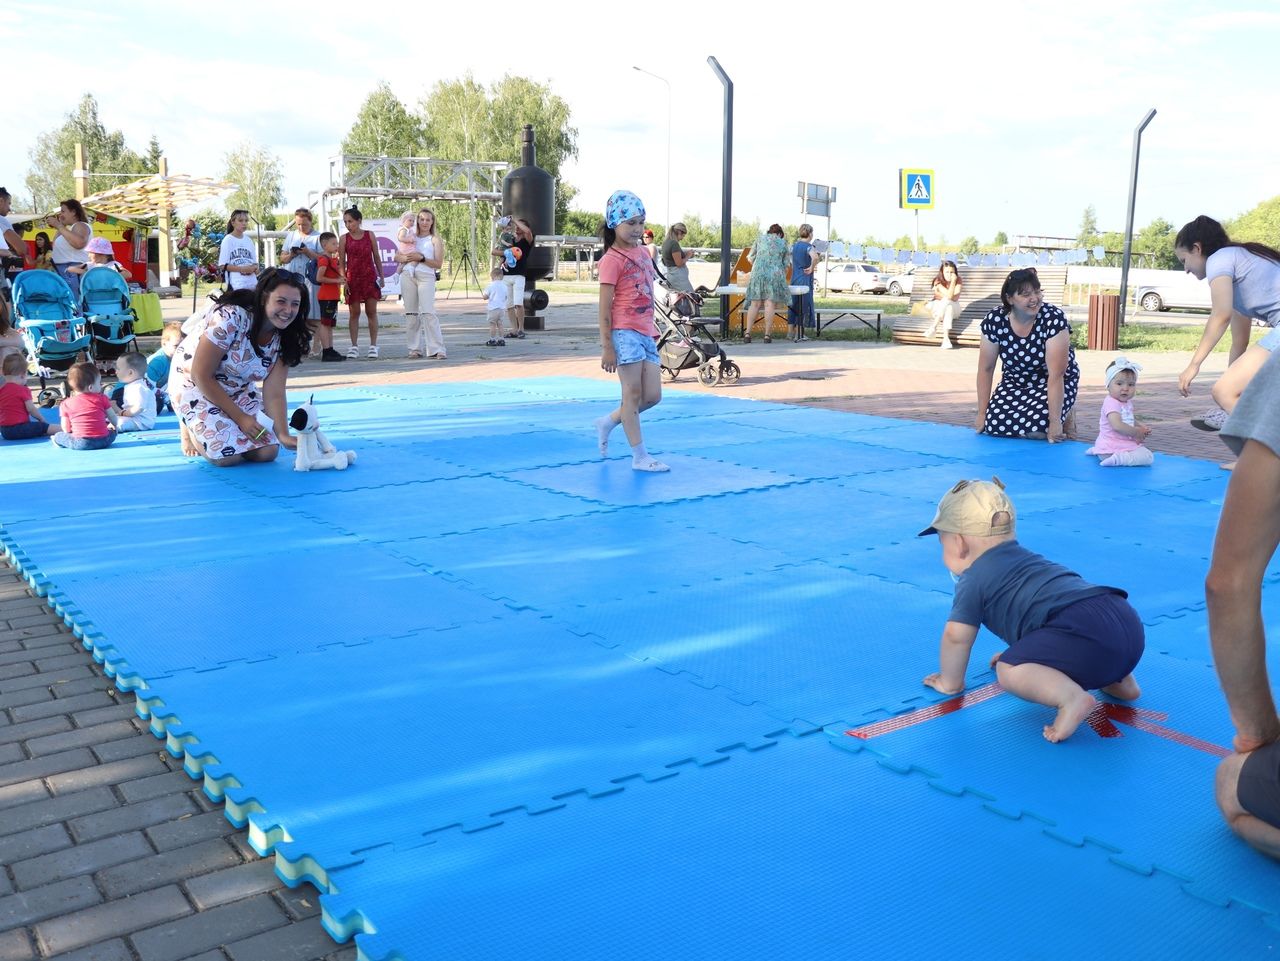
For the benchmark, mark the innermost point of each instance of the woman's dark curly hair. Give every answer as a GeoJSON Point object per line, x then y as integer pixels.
{"type": "Point", "coordinates": [295, 340]}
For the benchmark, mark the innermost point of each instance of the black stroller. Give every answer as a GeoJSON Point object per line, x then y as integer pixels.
{"type": "Point", "coordinates": [685, 343]}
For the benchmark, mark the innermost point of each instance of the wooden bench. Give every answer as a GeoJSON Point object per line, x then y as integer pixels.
{"type": "Point", "coordinates": [870, 318]}
{"type": "Point", "coordinates": [979, 296]}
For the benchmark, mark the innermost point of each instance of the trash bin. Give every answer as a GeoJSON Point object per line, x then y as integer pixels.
{"type": "Point", "coordinates": [1104, 322]}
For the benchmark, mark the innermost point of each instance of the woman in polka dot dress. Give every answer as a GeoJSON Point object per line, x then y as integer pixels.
{"type": "Point", "coordinates": [1039, 376]}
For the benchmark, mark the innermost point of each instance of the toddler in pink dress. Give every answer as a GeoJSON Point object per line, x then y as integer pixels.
{"type": "Point", "coordinates": [1120, 436]}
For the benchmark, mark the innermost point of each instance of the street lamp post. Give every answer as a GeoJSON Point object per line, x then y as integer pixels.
{"type": "Point", "coordinates": [668, 83]}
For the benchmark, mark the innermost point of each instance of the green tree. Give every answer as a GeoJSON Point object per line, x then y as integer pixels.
{"type": "Point", "coordinates": [49, 178]}
{"type": "Point", "coordinates": [969, 246]}
{"type": "Point", "coordinates": [462, 120]}
{"type": "Point", "coordinates": [1156, 238]}
{"type": "Point", "coordinates": [384, 128]}
{"type": "Point", "coordinates": [256, 172]}
{"type": "Point", "coordinates": [904, 242]}
{"type": "Point", "coordinates": [1259, 225]}
{"type": "Point", "coordinates": [1000, 239]}
{"type": "Point", "coordinates": [585, 223]}
{"type": "Point", "coordinates": [1088, 235]}
{"type": "Point", "coordinates": [154, 153]}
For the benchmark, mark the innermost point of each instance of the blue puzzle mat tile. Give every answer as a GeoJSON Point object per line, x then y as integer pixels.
{"type": "Point", "coordinates": [614, 482]}
{"type": "Point", "coordinates": [686, 402]}
{"type": "Point", "coordinates": [801, 458]}
{"type": "Point", "coordinates": [793, 852]}
{"type": "Point", "coordinates": [929, 481]}
{"type": "Point", "coordinates": [177, 484]}
{"type": "Point", "coordinates": [1149, 520]}
{"type": "Point", "coordinates": [808, 641]}
{"type": "Point", "coordinates": [437, 729]}
{"type": "Point", "coordinates": [814, 521]}
{"type": "Point", "coordinates": [217, 531]}
{"type": "Point", "coordinates": [1141, 784]}
{"type": "Point", "coordinates": [555, 565]}
{"type": "Point", "coordinates": [155, 629]}
{"type": "Point", "coordinates": [377, 465]}
{"type": "Point", "coordinates": [431, 508]}
{"type": "Point", "coordinates": [541, 448]}
{"type": "Point", "coordinates": [805, 421]}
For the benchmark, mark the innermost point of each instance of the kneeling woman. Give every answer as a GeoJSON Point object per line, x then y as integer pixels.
{"type": "Point", "coordinates": [1039, 375]}
{"type": "Point", "coordinates": [251, 337]}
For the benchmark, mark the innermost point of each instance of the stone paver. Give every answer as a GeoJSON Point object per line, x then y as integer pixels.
{"type": "Point", "coordinates": [109, 852]}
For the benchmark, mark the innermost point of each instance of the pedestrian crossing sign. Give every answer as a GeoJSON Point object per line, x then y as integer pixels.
{"type": "Point", "coordinates": [915, 188]}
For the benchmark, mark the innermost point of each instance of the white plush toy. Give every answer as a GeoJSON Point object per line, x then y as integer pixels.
{"type": "Point", "coordinates": [314, 450]}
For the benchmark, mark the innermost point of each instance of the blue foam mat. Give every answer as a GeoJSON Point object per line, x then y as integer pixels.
{"type": "Point", "coordinates": [732, 596]}
{"type": "Point", "coordinates": [467, 732]}
{"type": "Point", "coordinates": [790, 851]}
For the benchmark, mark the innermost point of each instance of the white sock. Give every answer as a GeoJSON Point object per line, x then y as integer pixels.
{"type": "Point", "coordinates": [641, 459]}
{"type": "Point", "coordinates": [604, 426]}
{"type": "Point", "coordinates": [1138, 457]}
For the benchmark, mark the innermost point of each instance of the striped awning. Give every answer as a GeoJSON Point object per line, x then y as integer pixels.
{"type": "Point", "coordinates": [144, 197]}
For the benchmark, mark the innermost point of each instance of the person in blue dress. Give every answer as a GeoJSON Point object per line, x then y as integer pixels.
{"type": "Point", "coordinates": [804, 260]}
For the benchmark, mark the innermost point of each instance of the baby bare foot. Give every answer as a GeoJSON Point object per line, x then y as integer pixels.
{"type": "Point", "coordinates": [1069, 717]}
{"type": "Point", "coordinates": [189, 448]}
{"type": "Point", "coordinates": [1125, 689]}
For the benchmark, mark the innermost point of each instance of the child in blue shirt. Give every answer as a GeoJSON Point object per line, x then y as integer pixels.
{"type": "Point", "coordinates": [158, 364]}
{"type": "Point", "coordinates": [1066, 636]}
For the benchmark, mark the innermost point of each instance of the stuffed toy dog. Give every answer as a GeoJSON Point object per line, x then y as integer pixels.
{"type": "Point", "coordinates": [314, 450]}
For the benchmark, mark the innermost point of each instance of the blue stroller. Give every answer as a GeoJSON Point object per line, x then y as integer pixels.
{"type": "Point", "coordinates": [108, 317]}
{"type": "Point", "coordinates": [52, 334]}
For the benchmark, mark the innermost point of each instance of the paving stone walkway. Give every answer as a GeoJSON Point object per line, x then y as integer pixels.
{"type": "Point", "coordinates": [110, 852]}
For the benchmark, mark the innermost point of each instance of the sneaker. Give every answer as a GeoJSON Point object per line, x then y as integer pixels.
{"type": "Point", "coordinates": [329, 355]}
{"type": "Point", "coordinates": [353, 352]}
{"type": "Point", "coordinates": [491, 342]}
{"type": "Point", "coordinates": [946, 343]}
{"type": "Point", "coordinates": [373, 352]}
{"type": "Point", "coordinates": [501, 342]}
{"type": "Point", "coordinates": [1210, 419]}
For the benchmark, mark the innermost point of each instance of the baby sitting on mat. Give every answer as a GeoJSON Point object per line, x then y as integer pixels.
{"type": "Point", "coordinates": [1066, 636]}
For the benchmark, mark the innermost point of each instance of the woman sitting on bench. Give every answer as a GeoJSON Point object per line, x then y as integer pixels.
{"type": "Point", "coordinates": [946, 302]}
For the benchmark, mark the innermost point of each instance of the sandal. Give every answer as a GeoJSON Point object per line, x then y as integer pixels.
{"type": "Point", "coordinates": [768, 339]}
{"type": "Point", "coordinates": [746, 338]}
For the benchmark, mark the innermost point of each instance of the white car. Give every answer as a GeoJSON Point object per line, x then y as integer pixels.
{"type": "Point", "coordinates": [903, 283]}
{"type": "Point", "coordinates": [1183, 294]}
{"type": "Point", "coordinates": [857, 278]}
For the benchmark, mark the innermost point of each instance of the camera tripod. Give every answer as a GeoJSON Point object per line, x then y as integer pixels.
{"type": "Point", "coordinates": [467, 267]}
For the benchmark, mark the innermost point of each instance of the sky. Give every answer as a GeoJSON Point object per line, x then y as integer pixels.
{"type": "Point", "coordinates": [1025, 111]}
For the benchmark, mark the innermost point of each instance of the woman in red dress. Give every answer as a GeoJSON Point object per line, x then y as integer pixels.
{"type": "Point", "coordinates": [359, 263]}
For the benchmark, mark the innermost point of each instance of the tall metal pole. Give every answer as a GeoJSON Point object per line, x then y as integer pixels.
{"type": "Point", "coordinates": [1128, 223]}
{"type": "Point", "coordinates": [726, 178]}
{"type": "Point", "coordinates": [668, 83]}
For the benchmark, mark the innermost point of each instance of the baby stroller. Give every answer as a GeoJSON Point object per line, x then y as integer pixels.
{"type": "Point", "coordinates": [108, 316]}
{"type": "Point", "coordinates": [52, 334]}
{"type": "Point", "coordinates": [685, 343]}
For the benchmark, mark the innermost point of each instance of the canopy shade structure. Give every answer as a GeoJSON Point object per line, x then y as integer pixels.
{"type": "Point", "coordinates": [143, 198]}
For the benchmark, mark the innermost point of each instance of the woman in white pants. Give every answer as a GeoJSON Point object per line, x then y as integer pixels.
{"type": "Point", "coordinates": [418, 290]}
{"type": "Point", "coordinates": [945, 303]}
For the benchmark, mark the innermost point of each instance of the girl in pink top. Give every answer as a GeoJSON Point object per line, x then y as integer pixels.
{"type": "Point", "coordinates": [627, 330]}
{"type": "Point", "coordinates": [86, 413]}
{"type": "Point", "coordinates": [1120, 436]}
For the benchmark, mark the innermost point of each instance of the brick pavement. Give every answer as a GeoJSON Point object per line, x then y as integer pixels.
{"type": "Point", "coordinates": [109, 851]}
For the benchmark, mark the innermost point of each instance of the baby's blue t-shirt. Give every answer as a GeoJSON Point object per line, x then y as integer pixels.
{"type": "Point", "coordinates": [1014, 591]}
{"type": "Point", "coordinates": [1255, 290]}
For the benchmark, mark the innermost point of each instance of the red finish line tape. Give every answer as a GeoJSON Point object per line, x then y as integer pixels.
{"type": "Point", "coordinates": [922, 714]}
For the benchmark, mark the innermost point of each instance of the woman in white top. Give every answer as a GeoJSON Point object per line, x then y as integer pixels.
{"type": "Point", "coordinates": [238, 255]}
{"type": "Point", "coordinates": [418, 289]}
{"type": "Point", "coordinates": [74, 234]}
{"type": "Point", "coordinates": [1244, 285]}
